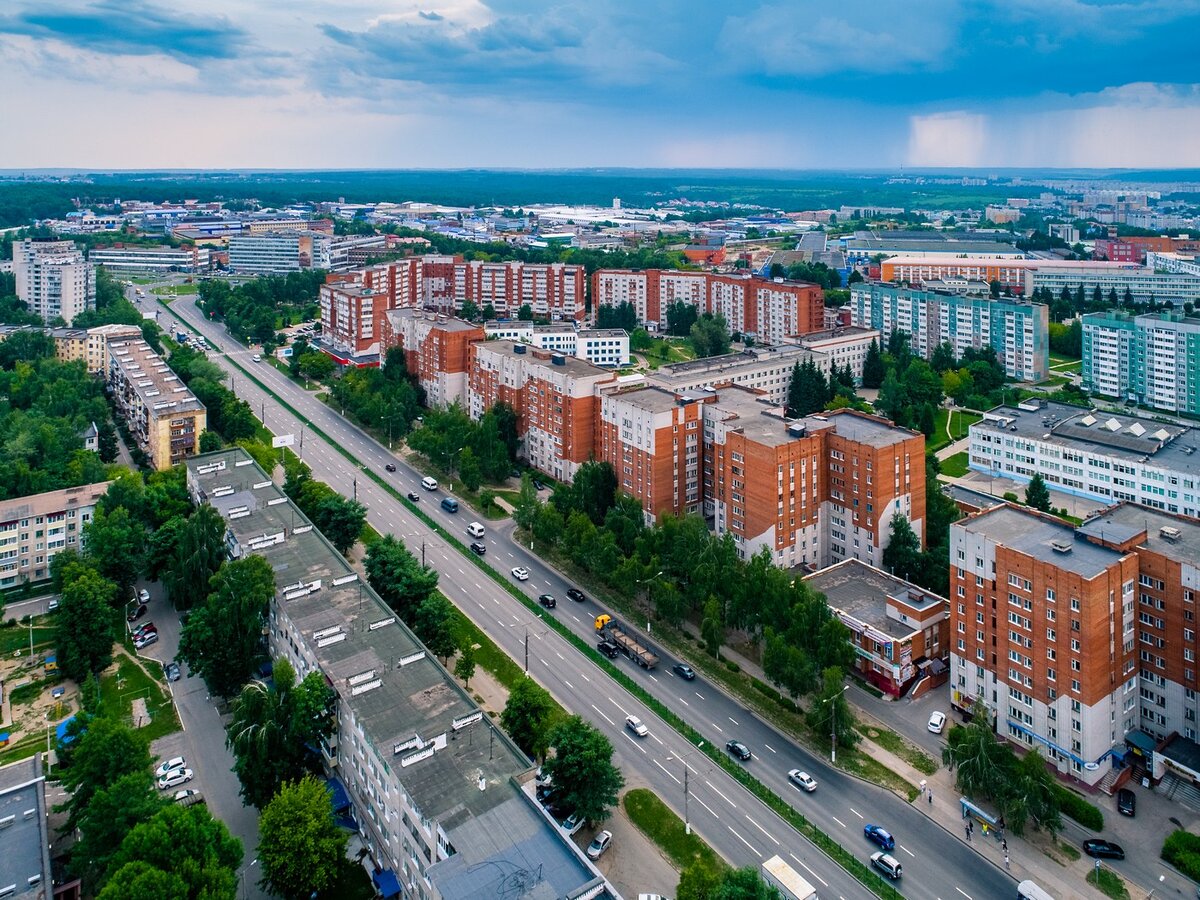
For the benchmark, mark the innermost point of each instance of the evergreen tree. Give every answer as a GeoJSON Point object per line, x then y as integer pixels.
{"type": "Point", "coordinates": [873, 367]}
{"type": "Point", "coordinates": [1037, 495]}
{"type": "Point", "coordinates": [902, 556]}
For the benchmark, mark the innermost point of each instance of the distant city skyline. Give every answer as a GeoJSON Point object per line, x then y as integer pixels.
{"type": "Point", "coordinates": [504, 83]}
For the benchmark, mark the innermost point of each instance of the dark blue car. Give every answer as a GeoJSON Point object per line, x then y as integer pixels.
{"type": "Point", "coordinates": [880, 836]}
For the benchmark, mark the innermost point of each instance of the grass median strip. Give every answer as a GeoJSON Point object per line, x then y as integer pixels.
{"type": "Point", "coordinates": [659, 823]}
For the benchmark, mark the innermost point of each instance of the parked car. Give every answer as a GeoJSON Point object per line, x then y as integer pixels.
{"type": "Point", "coordinates": [145, 628]}
{"type": "Point", "coordinates": [1126, 802]}
{"type": "Point", "coordinates": [937, 721]}
{"type": "Point", "coordinates": [609, 649]}
{"type": "Point", "coordinates": [175, 762]}
{"type": "Point", "coordinates": [52, 605]}
{"type": "Point", "coordinates": [1102, 849]}
{"type": "Point", "coordinates": [171, 670]}
{"type": "Point", "coordinates": [188, 797]}
{"type": "Point", "coordinates": [544, 793]}
{"type": "Point", "coordinates": [880, 836]}
{"type": "Point", "coordinates": [520, 573]}
{"type": "Point", "coordinates": [738, 749]}
{"type": "Point", "coordinates": [599, 844]}
{"type": "Point", "coordinates": [137, 613]}
{"type": "Point", "coordinates": [414, 496]}
{"type": "Point", "coordinates": [538, 485]}
{"type": "Point", "coordinates": [802, 780]}
{"type": "Point", "coordinates": [144, 596]}
{"type": "Point", "coordinates": [572, 823]}
{"type": "Point", "coordinates": [141, 643]}
{"type": "Point", "coordinates": [548, 601]}
{"type": "Point", "coordinates": [478, 548]}
{"type": "Point", "coordinates": [887, 864]}
{"type": "Point", "coordinates": [684, 671]}
{"type": "Point", "coordinates": [575, 594]}
{"type": "Point", "coordinates": [174, 778]}
{"type": "Point", "coordinates": [389, 467]}
{"type": "Point", "coordinates": [637, 726]}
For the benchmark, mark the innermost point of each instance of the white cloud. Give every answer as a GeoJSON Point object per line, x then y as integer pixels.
{"type": "Point", "coordinates": [947, 139]}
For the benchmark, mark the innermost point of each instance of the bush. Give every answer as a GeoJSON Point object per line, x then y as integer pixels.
{"type": "Point", "coordinates": [1182, 850]}
{"type": "Point", "coordinates": [1075, 807]}
{"type": "Point", "coordinates": [764, 688]}
{"type": "Point", "coordinates": [732, 666]}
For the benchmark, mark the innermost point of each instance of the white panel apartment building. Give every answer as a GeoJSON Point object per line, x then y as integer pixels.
{"type": "Point", "coordinates": [33, 529]}
{"type": "Point", "coordinates": [1106, 457]}
{"type": "Point", "coordinates": [600, 346]}
{"type": "Point", "coordinates": [845, 346]}
{"type": "Point", "coordinates": [151, 259]}
{"type": "Point", "coordinates": [767, 369]}
{"type": "Point", "coordinates": [54, 279]}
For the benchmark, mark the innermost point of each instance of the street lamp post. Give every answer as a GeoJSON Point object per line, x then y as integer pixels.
{"type": "Point", "coordinates": [242, 874]}
{"type": "Point", "coordinates": [833, 722]}
{"type": "Point", "coordinates": [527, 643]}
{"type": "Point", "coordinates": [648, 582]}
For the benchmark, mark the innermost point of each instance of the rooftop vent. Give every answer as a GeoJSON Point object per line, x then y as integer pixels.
{"type": "Point", "coordinates": [1112, 425]}
{"type": "Point", "coordinates": [1089, 419]}
{"type": "Point", "coordinates": [558, 359]}
{"type": "Point", "coordinates": [1170, 533]}
{"type": "Point", "coordinates": [797, 429]}
{"type": "Point", "coordinates": [1161, 435]}
{"type": "Point", "coordinates": [1136, 428]}
{"type": "Point", "coordinates": [518, 348]}
{"type": "Point", "coordinates": [1061, 546]}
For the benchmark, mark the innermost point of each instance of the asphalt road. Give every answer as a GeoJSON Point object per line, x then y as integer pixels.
{"type": "Point", "coordinates": [937, 865]}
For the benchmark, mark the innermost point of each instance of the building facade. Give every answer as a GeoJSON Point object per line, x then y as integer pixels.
{"type": "Point", "coordinates": [160, 411]}
{"type": "Point", "coordinates": [1018, 331]}
{"type": "Point", "coordinates": [33, 529]}
{"type": "Point", "coordinates": [1153, 359]}
{"type": "Point", "coordinates": [601, 346]}
{"type": "Point", "coordinates": [53, 279]}
{"type": "Point", "coordinates": [437, 350]}
{"type": "Point", "coordinates": [766, 369]}
{"type": "Point", "coordinates": [845, 346]}
{"type": "Point", "coordinates": [137, 258]}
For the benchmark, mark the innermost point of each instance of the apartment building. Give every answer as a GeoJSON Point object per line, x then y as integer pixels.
{"type": "Point", "coordinates": [1106, 457]}
{"type": "Point", "coordinates": [442, 798]}
{"type": "Point", "coordinates": [34, 528]}
{"type": "Point", "coordinates": [1043, 625]}
{"type": "Point", "coordinates": [554, 395]}
{"type": "Point", "coordinates": [1017, 330]}
{"type": "Point", "coordinates": [601, 346]}
{"type": "Point", "coordinates": [652, 438]}
{"type": "Point", "coordinates": [1153, 358]}
{"type": "Point", "coordinates": [813, 491]}
{"type": "Point", "coordinates": [25, 872]}
{"type": "Point", "coordinates": [552, 291]}
{"type": "Point", "coordinates": [766, 369]}
{"type": "Point", "coordinates": [845, 346]}
{"type": "Point", "coordinates": [160, 411]}
{"type": "Point", "coordinates": [897, 628]}
{"type": "Point", "coordinates": [437, 350]}
{"type": "Point", "coordinates": [53, 279]}
{"type": "Point", "coordinates": [272, 252]}
{"type": "Point", "coordinates": [769, 311]}
{"type": "Point", "coordinates": [120, 259]}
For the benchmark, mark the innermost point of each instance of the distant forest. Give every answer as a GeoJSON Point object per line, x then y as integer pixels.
{"type": "Point", "coordinates": [22, 201]}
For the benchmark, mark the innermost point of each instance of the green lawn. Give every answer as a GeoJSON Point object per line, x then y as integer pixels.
{"type": "Point", "coordinates": [176, 290]}
{"type": "Point", "coordinates": [17, 638]}
{"type": "Point", "coordinates": [960, 423]}
{"type": "Point", "coordinates": [656, 820]}
{"type": "Point", "coordinates": [955, 466]}
{"type": "Point", "coordinates": [119, 689]}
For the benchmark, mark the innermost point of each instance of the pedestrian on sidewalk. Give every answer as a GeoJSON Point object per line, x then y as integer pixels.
{"type": "Point", "coordinates": [931, 796]}
{"type": "Point", "coordinates": [1006, 861]}
{"type": "Point", "coordinates": [1004, 845]}
{"type": "Point", "coordinates": [968, 831]}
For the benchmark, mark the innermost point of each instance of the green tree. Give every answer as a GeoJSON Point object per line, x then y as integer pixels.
{"type": "Point", "coordinates": [1037, 495]}
{"type": "Point", "coordinates": [681, 317]}
{"type": "Point", "coordinates": [548, 526]}
{"type": "Point", "coordinates": [87, 623]}
{"type": "Point", "coordinates": [316, 366]}
{"type": "Point", "coordinates": [398, 576]}
{"type": "Point", "coordinates": [525, 509]}
{"type": "Point", "coordinates": [873, 367]}
{"type": "Point", "coordinates": [893, 399]}
{"type": "Point", "coordinates": [710, 336]}
{"type": "Point", "coordinates": [902, 556]}
{"type": "Point", "coordinates": [469, 470]}
{"type": "Point", "coordinates": [114, 541]}
{"type": "Point", "coordinates": [106, 442]}
{"type": "Point", "coordinates": [712, 628]}
{"type": "Point", "coordinates": [222, 639]}
{"type": "Point", "coordinates": [104, 751]}
{"type": "Point", "coordinates": [464, 667]}
{"type": "Point", "coordinates": [830, 713]}
{"type": "Point", "coordinates": [698, 881]}
{"type": "Point", "coordinates": [528, 717]}
{"type": "Point", "coordinates": [943, 359]}
{"type": "Point", "coordinates": [744, 884]}
{"type": "Point", "coordinates": [525, 313]}
{"type": "Point", "coordinates": [434, 623]}
{"type": "Point", "coordinates": [340, 519]}
{"type": "Point", "coordinates": [110, 815]}
{"type": "Point", "coordinates": [787, 665]}
{"type": "Point", "coordinates": [300, 846]}
{"type": "Point", "coordinates": [808, 390]}
{"type": "Point", "coordinates": [582, 769]}
{"type": "Point", "coordinates": [137, 880]}
{"type": "Point", "coordinates": [197, 555]}
{"type": "Point", "coordinates": [273, 727]}
{"type": "Point", "coordinates": [977, 758]}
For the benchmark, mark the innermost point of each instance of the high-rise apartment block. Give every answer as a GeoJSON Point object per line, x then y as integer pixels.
{"type": "Point", "coordinates": [53, 279]}
{"type": "Point", "coordinates": [1153, 359]}
{"type": "Point", "coordinates": [437, 350]}
{"type": "Point", "coordinates": [602, 346]}
{"type": "Point", "coordinates": [35, 528]}
{"type": "Point", "coordinates": [1016, 330]}
{"type": "Point", "coordinates": [845, 346]}
{"type": "Point", "coordinates": [767, 310]}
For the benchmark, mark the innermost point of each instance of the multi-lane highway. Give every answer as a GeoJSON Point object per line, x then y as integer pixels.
{"type": "Point", "coordinates": [936, 864]}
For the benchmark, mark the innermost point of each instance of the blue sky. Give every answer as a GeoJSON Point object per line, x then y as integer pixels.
{"type": "Point", "coordinates": [432, 83]}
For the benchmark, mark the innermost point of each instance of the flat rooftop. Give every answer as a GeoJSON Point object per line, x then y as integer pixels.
{"type": "Point", "coordinates": [439, 320]}
{"type": "Point", "coordinates": [1037, 536]}
{"type": "Point", "coordinates": [962, 494]}
{"type": "Point", "coordinates": [862, 428]}
{"type": "Point", "coordinates": [159, 388]}
{"type": "Point", "coordinates": [862, 591]}
{"type": "Point", "coordinates": [579, 368]}
{"type": "Point", "coordinates": [845, 331]}
{"type": "Point", "coordinates": [25, 861]}
{"type": "Point", "coordinates": [646, 396]}
{"type": "Point", "coordinates": [751, 356]}
{"type": "Point", "coordinates": [883, 244]}
{"type": "Point", "coordinates": [52, 501]}
{"type": "Point", "coordinates": [1126, 521]}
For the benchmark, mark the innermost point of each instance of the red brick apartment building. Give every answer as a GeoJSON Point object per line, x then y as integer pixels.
{"type": "Point", "coordinates": [769, 310]}
{"type": "Point", "coordinates": [437, 350]}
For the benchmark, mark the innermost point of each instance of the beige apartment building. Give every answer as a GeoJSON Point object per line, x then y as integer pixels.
{"type": "Point", "coordinates": [34, 528]}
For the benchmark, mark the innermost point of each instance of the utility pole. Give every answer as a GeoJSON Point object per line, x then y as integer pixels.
{"type": "Point", "coordinates": [356, 488]}
{"type": "Point", "coordinates": [687, 823]}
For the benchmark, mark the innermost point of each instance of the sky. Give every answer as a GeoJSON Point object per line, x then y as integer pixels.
{"type": "Point", "coordinates": [127, 84]}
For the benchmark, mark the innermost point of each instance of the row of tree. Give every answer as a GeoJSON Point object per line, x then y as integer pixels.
{"type": "Point", "coordinates": [810, 391]}
{"type": "Point", "coordinates": [254, 310]}
{"type": "Point", "coordinates": [483, 450]}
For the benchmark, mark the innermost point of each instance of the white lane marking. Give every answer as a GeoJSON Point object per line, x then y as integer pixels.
{"type": "Point", "coordinates": [810, 871]}
{"type": "Point", "coordinates": [657, 738]}
{"type": "Point", "coordinates": [909, 852]}
{"type": "Point", "coordinates": [700, 695]}
{"type": "Point", "coordinates": [763, 830]}
{"type": "Point", "coordinates": [606, 718]}
{"type": "Point", "coordinates": [769, 747]}
{"type": "Point", "coordinates": [624, 712]}
{"type": "Point", "coordinates": [652, 678]}
{"type": "Point", "coordinates": [706, 806]}
{"type": "Point", "coordinates": [722, 796]}
{"type": "Point", "coordinates": [568, 684]}
{"type": "Point", "coordinates": [684, 702]}
{"type": "Point", "coordinates": [585, 678]}
{"type": "Point", "coordinates": [665, 772]}
{"type": "Point", "coordinates": [839, 821]}
{"type": "Point", "coordinates": [560, 656]}
{"type": "Point", "coordinates": [744, 841]}
{"type": "Point", "coordinates": [856, 812]}
{"type": "Point", "coordinates": [634, 741]}
{"type": "Point", "coordinates": [516, 619]}
{"type": "Point", "coordinates": [961, 891]}
{"type": "Point", "coordinates": [718, 727]}
{"type": "Point", "coordinates": [733, 720]}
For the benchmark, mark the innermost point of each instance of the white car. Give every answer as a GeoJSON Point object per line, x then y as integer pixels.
{"type": "Point", "coordinates": [475, 530]}
{"type": "Point", "coordinates": [144, 596]}
{"type": "Point", "coordinates": [637, 726]}
{"type": "Point", "coordinates": [520, 573]}
{"type": "Point", "coordinates": [802, 780]}
{"type": "Point", "coordinates": [599, 844]}
{"type": "Point", "coordinates": [937, 721]}
{"type": "Point", "coordinates": [175, 762]}
{"type": "Point", "coordinates": [256, 358]}
{"type": "Point", "coordinates": [174, 778]}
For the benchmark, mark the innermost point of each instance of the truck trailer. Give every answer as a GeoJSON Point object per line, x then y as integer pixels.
{"type": "Point", "coordinates": [614, 632]}
{"type": "Point", "coordinates": [790, 883]}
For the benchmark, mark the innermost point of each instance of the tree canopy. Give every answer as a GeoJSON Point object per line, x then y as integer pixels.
{"type": "Point", "coordinates": [300, 846]}
{"type": "Point", "coordinates": [582, 770]}
{"type": "Point", "coordinates": [528, 717]}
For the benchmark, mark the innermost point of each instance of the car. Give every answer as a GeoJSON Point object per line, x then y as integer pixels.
{"type": "Point", "coordinates": [389, 467]}
{"type": "Point", "coordinates": [188, 797]}
{"type": "Point", "coordinates": [414, 496]}
{"type": "Point", "coordinates": [52, 605]}
{"type": "Point", "coordinates": [475, 530]}
{"type": "Point", "coordinates": [887, 864]}
{"type": "Point", "coordinates": [145, 628]}
{"type": "Point", "coordinates": [802, 780]}
{"type": "Point", "coordinates": [144, 596]}
{"type": "Point", "coordinates": [430, 484]}
{"type": "Point", "coordinates": [141, 643]}
{"type": "Point", "coordinates": [684, 671]}
{"type": "Point", "coordinates": [575, 594]}
{"type": "Point", "coordinates": [175, 762]}
{"type": "Point", "coordinates": [599, 844]}
{"type": "Point", "coordinates": [520, 573]}
{"type": "Point", "coordinates": [538, 485]}
{"type": "Point", "coordinates": [937, 721]}
{"type": "Point", "coordinates": [171, 670]}
{"type": "Point", "coordinates": [256, 358]}
{"type": "Point", "coordinates": [609, 649]}
{"type": "Point", "coordinates": [548, 601]}
{"type": "Point", "coordinates": [545, 792]}
{"type": "Point", "coordinates": [1126, 802]}
{"type": "Point", "coordinates": [880, 836]}
{"type": "Point", "coordinates": [572, 823]}
{"type": "Point", "coordinates": [174, 778]}
{"type": "Point", "coordinates": [1102, 849]}
{"type": "Point", "coordinates": [738, 749]}
{"type": "Point", "coordinates": [637, 726]}
{"type": "Point", "coordinates": [541, 777]}
{"type": "Point", "coordinates": [136, 613]}
{"type": "Point", "coordinates": [478, 548]}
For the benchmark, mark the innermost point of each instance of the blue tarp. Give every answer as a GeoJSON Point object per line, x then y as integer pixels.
{"type": "Point", "coordinates": [387, 882]}
{"type": "Point", "coordinates": [61, 731]}
{"type": "Point", "coordinates": [339, 798]}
